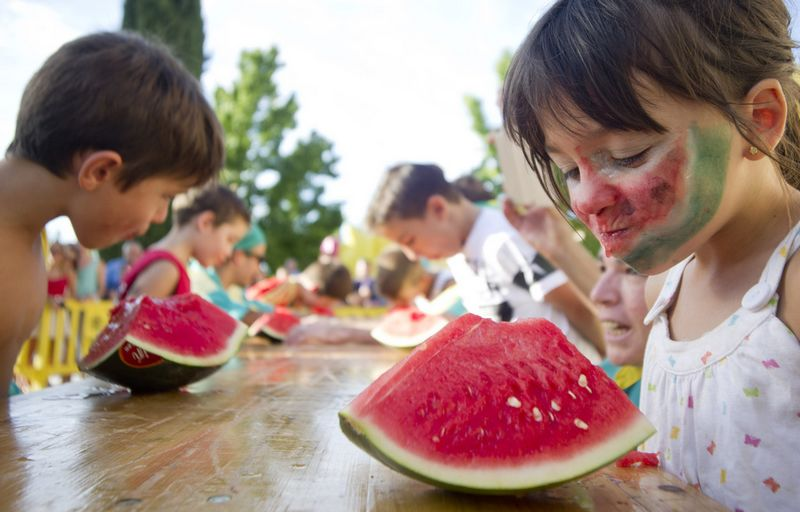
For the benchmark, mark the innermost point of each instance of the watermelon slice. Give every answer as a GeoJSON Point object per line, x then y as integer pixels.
{"type": "Point", "coordinates": [276, 325]}
{"type": "Point", "coordinates": [495, 408]}
{"type": "Point", "coordinates": [407, 327]}
{"type": "Point", "coordinates": [154, 345]}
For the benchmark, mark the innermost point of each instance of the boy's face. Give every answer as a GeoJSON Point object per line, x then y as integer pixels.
{"type": "Point", "coordinates": [247, 265]}
{"type": "Point", "coordinates": [651, 198]}
{"type": "Point", "coordinates": [107, 215]}
{"type": "Point", "coordinates": [433, 236]}
{"type": "Point", "coordinates": [619, 297]}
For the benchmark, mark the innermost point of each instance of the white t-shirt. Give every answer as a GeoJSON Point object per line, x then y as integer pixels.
{"type": "Point", "coordinates": [726, 406]}
{"type": "Point", "coordinates": [501, 277]}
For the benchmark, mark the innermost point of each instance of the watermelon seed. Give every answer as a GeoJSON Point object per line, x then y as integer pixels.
{"type": "Point", "coordinates": [581, 425]}
{"type": "Point", "coordinates": [554, 405]}
{"type": "Point", "coordinates": [514, 402]}
{"type": "Point", "coordinates": [582, 382]}
{"type": "Point", "coordinates": [570, 393]}
{"type": "Point", "coordinates": [435, 439]}
{"type": "Point", "coordinates": [552, 418]}
{"type": "Point", "coordinates": [537, 414]}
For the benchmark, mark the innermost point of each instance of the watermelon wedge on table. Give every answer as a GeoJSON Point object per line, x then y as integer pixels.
{"type": "Point", "coordinates": [407, 327]}
{"type": "Point", "coordinates": [495, 408]}
{"type": "Point", "coordinates": [276, 325]}
{"type": "Point", "coordinates": [154, 345]}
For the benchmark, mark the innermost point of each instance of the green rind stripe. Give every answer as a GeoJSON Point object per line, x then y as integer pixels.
{"type": "Point", "coordinates": [359, 434]}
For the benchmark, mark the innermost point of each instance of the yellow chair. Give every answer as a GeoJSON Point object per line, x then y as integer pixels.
{"type": "Point", "coordinates": [64, 335]}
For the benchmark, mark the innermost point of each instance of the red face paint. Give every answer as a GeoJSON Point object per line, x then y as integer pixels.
{"type": "Point", "coordinates": [620, 207]}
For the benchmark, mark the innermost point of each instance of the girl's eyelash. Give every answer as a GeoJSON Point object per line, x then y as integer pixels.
{"type": "Point", "coordinates": [572, 174]}
{"type": "Point", "coordinates": [630, 161]}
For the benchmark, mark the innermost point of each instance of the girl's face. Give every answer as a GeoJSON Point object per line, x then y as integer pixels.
{"type": "Point", "coordinates": [619, 296]}
{"type": "Point", "coordinates": [651, 198]}
{"type": "Point", "coordinates": [215, 243]}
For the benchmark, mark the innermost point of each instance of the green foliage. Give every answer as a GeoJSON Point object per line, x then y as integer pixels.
{"type": "Point", "coordinates": [178, 24]}
{"type": "Point", "coordinates": [283, 187]}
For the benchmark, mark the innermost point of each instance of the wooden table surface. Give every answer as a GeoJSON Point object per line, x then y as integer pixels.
{"type": "Point", "coordinates": [260, 434]}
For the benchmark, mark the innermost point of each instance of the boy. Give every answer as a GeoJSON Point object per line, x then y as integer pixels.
{"type": "Point", "coordinates": [499, 275]}
{"type": "Point", "coordinates": [109, 130]}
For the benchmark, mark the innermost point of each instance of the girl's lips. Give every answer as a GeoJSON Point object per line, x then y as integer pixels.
{"type": "Point", "coordinates": [615, 331]}
{"type": "Point", "coordinates": [616, 241]}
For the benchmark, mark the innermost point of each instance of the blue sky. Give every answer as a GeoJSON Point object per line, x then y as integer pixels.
{"type": "Point", "coordinates": [384, 81]}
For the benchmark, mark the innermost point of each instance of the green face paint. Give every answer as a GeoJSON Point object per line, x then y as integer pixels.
{"type": "Point", "coordinates": [707, 152]}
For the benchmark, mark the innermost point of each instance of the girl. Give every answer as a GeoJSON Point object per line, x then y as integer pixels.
{"type": "Point", "coordinates": [206, 224]}
{"type": "Point", "coordinates": [675, 127]}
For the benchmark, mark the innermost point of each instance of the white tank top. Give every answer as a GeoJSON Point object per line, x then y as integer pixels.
{"type": "Point", "coordinates": [726, 406]}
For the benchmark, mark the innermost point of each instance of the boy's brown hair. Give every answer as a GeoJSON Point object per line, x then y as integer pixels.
{"type": "Point", "coordinates": [117, 91]}
{"type": "Point", "coordinates": [594, 55]}
{"type": "Point", "coordinates": [395, 269]}
{"type": "Point", "coordinates": [218, 199]}
{"type": "Point", "coordinates": [404, 192]}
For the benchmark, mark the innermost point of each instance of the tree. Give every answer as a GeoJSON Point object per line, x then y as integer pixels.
{"type": "Point", "coordinates": [488, 170]}
{"type": "Point", "coordinates": [178, 24]}
{"type": "Point", "coordinates": [282, 183]}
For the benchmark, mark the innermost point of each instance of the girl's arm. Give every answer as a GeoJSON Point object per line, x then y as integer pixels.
{"type": "Point", "coordinates": [157, 280]}
{"type": "Point", "coordinates": [580, 312]}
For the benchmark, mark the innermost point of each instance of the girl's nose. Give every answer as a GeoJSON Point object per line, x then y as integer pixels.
{"type": "Point", "coordinates": [592, 194]}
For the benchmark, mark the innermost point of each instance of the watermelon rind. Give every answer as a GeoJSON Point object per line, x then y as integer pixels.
{"type": "Point", "coordinates": [385, 338]}
{"type": "Point", "coordinates": [513, 480]}
{"type": "Point", "coordinates": [231, 347]}
{"type": "Point", "coordinates": [441, 304]}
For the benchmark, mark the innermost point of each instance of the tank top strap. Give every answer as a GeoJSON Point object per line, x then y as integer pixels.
{"type": "Point", "coordinates": [149, 257]}
{"type": "Point", "coordinates": [667, 294]}
{"type": "Point", "coordinates": [764, 293]}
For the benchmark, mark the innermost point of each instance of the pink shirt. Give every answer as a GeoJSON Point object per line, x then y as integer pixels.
{"type": "Point", "coordinates": [148, 258]}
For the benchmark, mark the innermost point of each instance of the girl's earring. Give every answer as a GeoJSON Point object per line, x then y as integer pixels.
{"type": "Point", "coordinates": [753, 150]}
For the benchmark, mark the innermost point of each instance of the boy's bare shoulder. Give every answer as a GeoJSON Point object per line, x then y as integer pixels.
{"type": "Point", "coordinates": [789, 306]}
{"type": "Point", "coordinates": [23, 284]}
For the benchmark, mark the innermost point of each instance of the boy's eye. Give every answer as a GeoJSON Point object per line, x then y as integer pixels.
{"type": "Point", "coordinates": [633, 160]}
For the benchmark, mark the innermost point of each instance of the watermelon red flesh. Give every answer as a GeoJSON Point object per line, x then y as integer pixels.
{"type": "Point", "coordinates": [277, 324]}
{"type": "Point", "coordinates": [459, 411]}
{"type": "Point", "coordinates": [183, 328]}
{"type": "Point", "coordinates": [407, 327]}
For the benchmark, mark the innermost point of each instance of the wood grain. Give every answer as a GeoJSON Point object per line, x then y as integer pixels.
{"type": "Point", "coordinates": [261, 434]}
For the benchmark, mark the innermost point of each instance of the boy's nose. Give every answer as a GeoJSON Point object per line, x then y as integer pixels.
{"type": "Point", "coordinates": [161, 214]}
{"type": "Point", "coordinates": [605, 291]}
{"type": "Point", "coordinates": [592, 194]}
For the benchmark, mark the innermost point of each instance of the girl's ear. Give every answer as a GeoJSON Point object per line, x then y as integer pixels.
{"type": "Point", "coordinates": [96, 168]}
{"type": "Point", "coordinates": [765, 108]}
{"type": "Point", "coordinates": [204, 221]}
{"type": "Point", "coordinates": [436, 208]}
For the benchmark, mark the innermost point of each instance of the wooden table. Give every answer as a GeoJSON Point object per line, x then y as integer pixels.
{"type": "Point", "coordinates": [260, 434]}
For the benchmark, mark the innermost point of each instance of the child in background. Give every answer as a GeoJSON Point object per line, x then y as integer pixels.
{"type": "Point", "coordinates": [207, 222]}
{"type": "Point", "coordinates": [61, 275]}
{"type": "Point", "coordinates": [108, 130]}
{"type": "Point", "coordinates": [404, 281]}
{"type": "Point", "coordinates": [91, 275]}
{"type": "Point", "coordinates": [682, 154]}
{"type": "Point", "coordinates": [619, 297]}
{"type": "Point", "coordinates": [240, 270]}
{"type": "Point", "coordinates": [498, 274]}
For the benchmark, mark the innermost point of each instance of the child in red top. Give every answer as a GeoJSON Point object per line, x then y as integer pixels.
{"type": "Point", "coordinates": [206, 224]}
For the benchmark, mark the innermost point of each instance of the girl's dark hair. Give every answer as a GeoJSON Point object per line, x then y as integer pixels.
{"type": "Point", "coordinates": [588, 57]}
{"type": "Point", "coordinates": [220, 200]}
{"type": "Point", "coordinates": [394, 271]}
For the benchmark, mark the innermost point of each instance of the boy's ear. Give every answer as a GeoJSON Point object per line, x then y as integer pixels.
{"type": "Point", "coordinates": [204, 221]}
{"type": "Point", "coordinates": [436, 207]}
{"type": "Point", "coordinates": [765, 108]}
{"type": "Point", "coordinates": [97, 167]}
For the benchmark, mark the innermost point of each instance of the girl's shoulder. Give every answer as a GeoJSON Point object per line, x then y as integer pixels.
{"type": "Point", "coordinates": [789, 305]}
